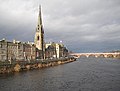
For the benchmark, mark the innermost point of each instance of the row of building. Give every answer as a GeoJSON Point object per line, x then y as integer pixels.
{"type": "Point", "coordinates": [16, 50]}
{"type": "Point", "coordinates": [20, 51]}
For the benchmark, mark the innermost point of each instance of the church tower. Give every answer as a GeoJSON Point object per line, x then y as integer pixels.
{"type": "Point", "coordinates": [39, 36]}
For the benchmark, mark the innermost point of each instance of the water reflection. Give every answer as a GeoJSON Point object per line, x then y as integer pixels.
{"type": "Point", "coordinates": [86, 74]}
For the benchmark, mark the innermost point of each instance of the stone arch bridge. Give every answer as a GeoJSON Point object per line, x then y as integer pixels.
{"type": "Point", "coordinates": [106, 55]}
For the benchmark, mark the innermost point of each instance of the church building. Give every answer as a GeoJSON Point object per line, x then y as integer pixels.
{"type": "Point", "coordinates": [39, 38]}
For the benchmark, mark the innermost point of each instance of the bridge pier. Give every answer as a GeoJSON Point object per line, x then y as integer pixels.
{"type": "Point", "coordinates": [96, 56]}
{"type": "Point", "coordinates": [87, 56]}
{"type": "Point", "coordinates": [105, 56]}
{"type": "Point", "coordinates": [114, 56]}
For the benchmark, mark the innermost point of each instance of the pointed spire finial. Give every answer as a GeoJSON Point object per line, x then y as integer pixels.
{"type": "Point", "coordinates": [40, 16]}
{"type": "Point", "coordinates": [40, 10]}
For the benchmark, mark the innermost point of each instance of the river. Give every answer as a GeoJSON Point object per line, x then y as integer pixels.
{"type": "Point", "coordinates": [85, 74]}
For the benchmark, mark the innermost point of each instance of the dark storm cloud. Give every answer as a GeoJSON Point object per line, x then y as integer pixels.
{"type": "Point", "coordinates": [82, 25]}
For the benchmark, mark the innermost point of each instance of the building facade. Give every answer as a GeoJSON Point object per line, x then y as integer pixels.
{"type": "Point", "coordinates": [17, 51]}
{"type": "Point", "coordinates": [29, 51]}
{"type": "Point", "coordinates": [3, 50]}
{"type": "Point", "coordinates": [55, 50]}
{"type": "Point", "coordinates": [61, 51]}
{"type": "Point", "coordinates": [50, 50]}
{"type": "Point", "coordinates": [12, 51]}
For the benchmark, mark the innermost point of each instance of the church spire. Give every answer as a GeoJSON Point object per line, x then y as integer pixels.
{"type": "Point", "coordinates": [40, 16]}
{"type": "Point", "coordinates": [39, 35]}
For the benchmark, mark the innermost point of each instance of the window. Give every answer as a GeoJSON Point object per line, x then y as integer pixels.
{"type": "Point", "coordinates": [19, 47]}
{"type": "Point", "coordinates": [38, 38]}
{"type": "Point", "coordinates": [1, 46]}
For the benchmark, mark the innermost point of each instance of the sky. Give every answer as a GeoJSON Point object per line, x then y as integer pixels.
{"type": "Point", "coordinates": [81, 25]}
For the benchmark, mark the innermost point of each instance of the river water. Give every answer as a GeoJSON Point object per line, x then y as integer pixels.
{"type": "Point", "coordinates": [85, 74]}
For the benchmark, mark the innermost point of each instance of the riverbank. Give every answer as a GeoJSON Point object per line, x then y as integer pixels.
{"type": "Point", "coordinates": [37, 64]}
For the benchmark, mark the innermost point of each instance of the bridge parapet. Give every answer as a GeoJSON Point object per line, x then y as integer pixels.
{"type": "Point", "coordinates": [114, 55]}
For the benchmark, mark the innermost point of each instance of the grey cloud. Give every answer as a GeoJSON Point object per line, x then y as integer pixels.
{"type": "Point", "coordinates": [83, 25]}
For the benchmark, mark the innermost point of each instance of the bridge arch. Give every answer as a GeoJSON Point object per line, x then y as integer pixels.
{"type": "Point", "coordinates": [101, 55]}
{"type": "Point", "coordinates": [110, 55]}
{"type": "Point", "coordinates": [92, 55]}
{"type": "Point", "coordinates": [83, 56]}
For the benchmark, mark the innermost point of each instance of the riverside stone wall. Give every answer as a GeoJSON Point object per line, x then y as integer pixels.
{"type": "Point", "coordinates": [17, 67]}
